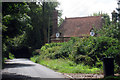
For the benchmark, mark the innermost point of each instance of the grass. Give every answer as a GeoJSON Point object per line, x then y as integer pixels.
{"type": "Point", "coordinates": [67, 66]}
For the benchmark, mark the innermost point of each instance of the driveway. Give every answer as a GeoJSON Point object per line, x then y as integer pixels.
{"type": "Point", "coordinates": [24, 69]}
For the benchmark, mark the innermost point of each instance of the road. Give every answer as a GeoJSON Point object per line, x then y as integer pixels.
{"type": "Point", "coordinates": [24, 69]}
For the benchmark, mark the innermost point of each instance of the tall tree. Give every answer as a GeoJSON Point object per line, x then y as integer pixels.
{"type": "Point", "coordinates": [26, 24]}
{"type": "Point", "coordinates": [15, 23]}
{"type": "Point", "coordinates": [41, 17]}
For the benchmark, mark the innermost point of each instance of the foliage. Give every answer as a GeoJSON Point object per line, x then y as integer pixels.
{"type": "Point", "coordinates": [109, 28]}
{"type": "Point", "coordinates": [60, 21]}
{"type": "Point", "coordinates": [94, 47]}
{"type": "Point", "coordinates": [112, 30]}
{"type": "Point", "coordinates": [46, 46]}
{"type": "Point", "coordinates": [41, 20]}
{"type": "Point", "coordinates": [15, 18]}
{"type": "Point", "coordinates": [111, 78]}
{"type": "Point", "coordinates": [24, 25]}
{"type": "Point", "coordinates": [51, 48]}
{"type": "Point", "coordinates": [64, 51]}
{"type": "Point", "coordinates": [89, 51]}
{"type": "Point", "coordinates": [99, 47]}
{"type": "Point", "coordinates": [11, 56]}
{"type": "Point", "coordinates": [15, 21]}
{"type": "Point", "coordinates": [34, 58]}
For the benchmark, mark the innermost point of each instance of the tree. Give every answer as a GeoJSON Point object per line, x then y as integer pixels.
{"type": "Point", "coordinates": [105, 16]}
{"type": "Point", "coordinates": [60, 21]}
{"type": "Point", "coordinates": [26, 25]}
{"type": "Point", "coordinates": [15, 21]}
{"type": "Point", "coordinates": [41, 19]}
{"type": "Point", "coordinates": [109, 29]}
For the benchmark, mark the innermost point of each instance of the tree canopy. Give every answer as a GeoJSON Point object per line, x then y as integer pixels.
{"type": "Point", "coordinates": [25, 24]}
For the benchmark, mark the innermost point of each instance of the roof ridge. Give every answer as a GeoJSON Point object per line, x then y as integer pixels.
{"type": "Point", "coordinates": [83, 17]}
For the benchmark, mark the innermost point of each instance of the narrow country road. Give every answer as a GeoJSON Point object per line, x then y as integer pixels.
{"type": "Point", "coordinates": [24, 69]}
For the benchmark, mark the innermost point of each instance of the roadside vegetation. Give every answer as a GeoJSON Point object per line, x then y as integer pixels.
{"type": "Point", "coordinates": [67, 66]}
{"type": "Point", "coordinates": [83, 55]}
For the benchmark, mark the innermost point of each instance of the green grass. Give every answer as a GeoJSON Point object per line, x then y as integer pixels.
{"type": "Point", "coordinates": [67, 66]}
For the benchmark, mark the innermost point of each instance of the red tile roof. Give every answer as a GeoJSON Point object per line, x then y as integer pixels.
{"type": "Point", "coordinates": [80, 26]}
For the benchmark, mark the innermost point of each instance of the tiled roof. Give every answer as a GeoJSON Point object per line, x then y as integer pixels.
{"type": "Point", "coordinates": [80, 26]}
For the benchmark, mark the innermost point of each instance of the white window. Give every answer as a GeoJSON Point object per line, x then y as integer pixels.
{"type": "Point", "coordinates": [92, 33]}
{"type": "Point", "coordinates": [57, 34]}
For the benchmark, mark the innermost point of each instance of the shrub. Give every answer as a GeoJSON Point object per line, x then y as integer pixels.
{"type": "Point", "coordinates": [46, 46]}
{"type": "Point", "coordinates": [36, 52]}
{"type": "Point", "coordinates": [98, 47]}
{"type": "Point", "coordinates": [89, 51]}
{"type": "Point", "coordinates": [67, 48]}
{"type": "Point", "coordinates": [84, 59]}
{"type": "Point", "coordinates": [11, 56]}
{"type": "Point", "coordinates": [34, 58]}
{"type": "Point", "coordinates": [49, 52]}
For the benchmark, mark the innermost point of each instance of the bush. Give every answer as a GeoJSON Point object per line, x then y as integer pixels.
{"type": "Point", "coordinates": [11, 56]}
{"type": "Point", "coordinates": [97, 48]}
{"type": "Point", "coordinates": [34, 58]}
{"type": "Point", "coordinates": [46, 46]}
{"type": "Point", "coordinates": [36, 52]}
{"type": "Point", "coordinates": [84, 59]}
{"type": "Point", "coordinates": [65, 50]}
{"type": "Point", "coordinates": [49, 53]}
{"type": "Point", "coordinates": [99, 64]}
{"type": "Point", "coordinates": [89, 51]}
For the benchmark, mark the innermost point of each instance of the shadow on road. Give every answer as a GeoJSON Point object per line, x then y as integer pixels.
{"type": "Point", "coordinates": [15, 65]}
{"type": "Point", "coordinates": [13, 76]}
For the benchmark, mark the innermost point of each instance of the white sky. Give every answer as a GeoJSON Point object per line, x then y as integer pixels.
{"type": "Point", "coordinates": [81, 8]}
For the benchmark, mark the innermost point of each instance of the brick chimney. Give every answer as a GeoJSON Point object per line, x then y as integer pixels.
{"type": "Point", "coordinates": [55, 22]}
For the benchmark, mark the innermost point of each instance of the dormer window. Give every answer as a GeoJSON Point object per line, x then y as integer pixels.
{"type": "Point", "coordinates": [57, 34]}
{"type": "Point", "coordinates": [92, 32]}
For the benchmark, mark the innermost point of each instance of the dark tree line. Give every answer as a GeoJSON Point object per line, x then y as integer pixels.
{"type": "Point", "coordinates": [25, 26]}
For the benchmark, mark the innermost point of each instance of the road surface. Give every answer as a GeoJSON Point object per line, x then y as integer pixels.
{"type": "Point", "coordinates": [24, 69]}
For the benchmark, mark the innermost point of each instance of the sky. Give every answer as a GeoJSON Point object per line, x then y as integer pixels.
{"type": "Point", "coordinates": [82, 8]}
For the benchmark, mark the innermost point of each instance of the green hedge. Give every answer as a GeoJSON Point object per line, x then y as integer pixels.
{"type": "Point", "coordinates": [89, 51]}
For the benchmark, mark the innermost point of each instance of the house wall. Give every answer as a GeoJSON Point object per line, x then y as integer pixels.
{"type": "Point", "coordinates": [61, 39]}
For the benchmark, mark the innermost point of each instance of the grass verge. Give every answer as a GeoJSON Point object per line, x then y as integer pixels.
{"type": "Point", "coordinates": [67, 66]}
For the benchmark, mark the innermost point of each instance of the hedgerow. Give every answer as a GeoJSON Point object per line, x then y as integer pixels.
{"type": "Point", "coordinates": [89, 51]}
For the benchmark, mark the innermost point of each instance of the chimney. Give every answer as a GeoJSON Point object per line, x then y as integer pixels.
{"type": "Point", "coordinates": [55, 21]}
{"type": "Point", "coordinates": [114, 16]}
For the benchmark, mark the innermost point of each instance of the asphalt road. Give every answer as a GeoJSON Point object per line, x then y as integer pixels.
{"type": "Point", "coordinates": [24, 69]}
